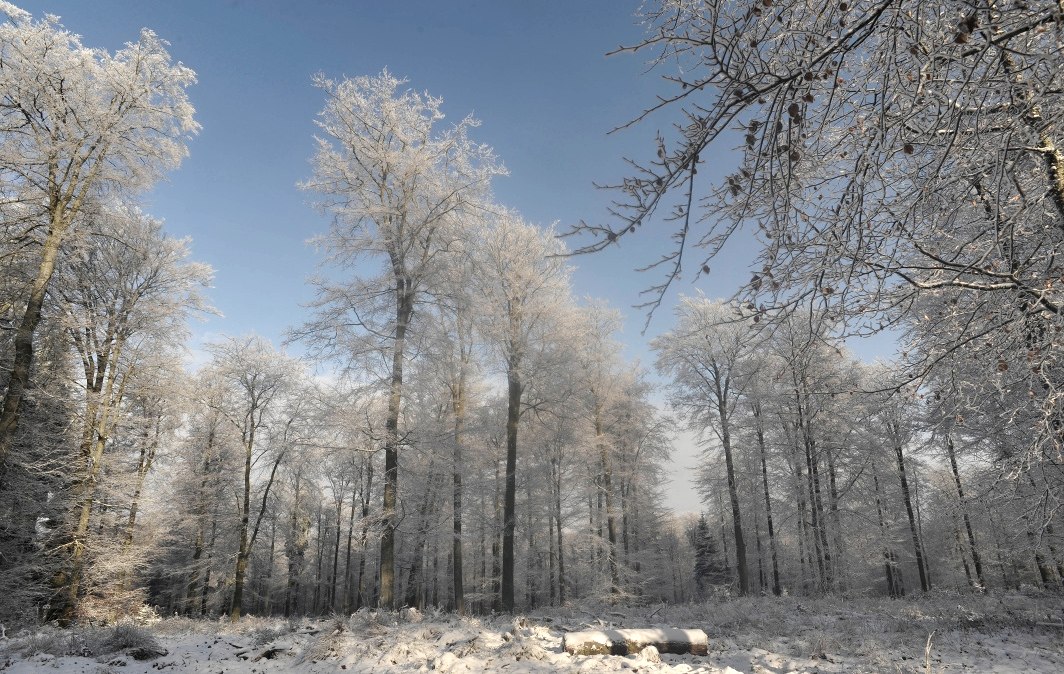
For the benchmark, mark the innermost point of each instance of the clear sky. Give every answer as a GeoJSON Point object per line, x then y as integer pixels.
{"type": "Point", "coordinates": [533, 71]}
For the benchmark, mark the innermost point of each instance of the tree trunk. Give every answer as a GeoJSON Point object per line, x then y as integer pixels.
{"type": "Point", "coordinates": [201, 524]}
{"type": "Point", "coordinates": [513, 417]}
{"type": "Point", "coordinates": [816, 505]}
{"type": "Point", "coordinates": [336, 548]}
{"type": "Point", "coordinates": [268, 591]}
{"type": "Point", "coordinates": [776, 589]}
{"type": "Point", "coordinates": [210, 557]}
{"type": "Point", "coordinates": [102, 400]}
{"type": "Point", "coordinates": [972, 547]}
{"type": "Point", "coordinates": [496, 546]}
{"type": "Point", "coordinates": [552, 553]}
{"type": "Point", "coordinates": [348, 599]}
{"type": "Point", "coordinates": [925, 582]}
{"type": "Point", "coordinates": [959, 548]}
{"type": "Point", "coordinates": [404, 308]}
{"type": "Point", "coordinates": [532, 554]}
{"type": "Point", "coordinates": [243, 552]}
{"type": "Point", "coordinates": [458, 407]}
{"type": "Point", "coordinates": [319, 554]}
{"type": "Point", "coordinates": [836, 521]}
{"type": "Point", "coordinates": [733, 494]}
{"type": "Point", "coordinates": [558, 531]}
{"type": "Point", "coordinates": [23, 339]}
{"type": "Point", "coordinates": [247, 539]}
{"type": "Point", "coordinates": [416, 576]}
{"type": "Point", "coordinates": [607, 489]}
{"type": "Point", "coordinates": [147, 457]}
{"type": "Point", "coordinates": [895, 588]}
{"type": "Point", "coordinates": [192, 591]}
{"type": "Point", "coordinates": [723, 530]}
{"type": "Point", "coordinates": [795, 466]}
{"type": "Point", "coordinates": [360, 599]}
{"type": "Point", "coordinates": [295, 549]}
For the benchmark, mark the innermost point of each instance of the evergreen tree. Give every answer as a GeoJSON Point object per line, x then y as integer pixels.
{"type": "Point", "coordinates": [710, 570]}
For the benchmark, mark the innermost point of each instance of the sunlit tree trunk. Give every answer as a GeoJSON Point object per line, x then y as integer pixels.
{"type": "Point", "coordinates": [404, 309]}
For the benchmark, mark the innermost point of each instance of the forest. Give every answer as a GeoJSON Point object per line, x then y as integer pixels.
{"type": "Point", "coordinates": [460, 433]}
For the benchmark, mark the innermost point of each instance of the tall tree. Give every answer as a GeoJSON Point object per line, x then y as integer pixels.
{"type": "Point", "coordinates": [397, 186]}
{"type": "Point", "coordinates": [704, 355]}
{"type": "Point", "coordinates": [125, 294]}
{"type": "Point", "coordinates": [603, 388]}
{"type": "Point", "coordinates": [75, 123]}
{"type": "Point", "coordinates": [256, 380]}
{"type": "Point", "coordinates": [452, 345]}
{"type": "Point", "coordinates": [525, 289]}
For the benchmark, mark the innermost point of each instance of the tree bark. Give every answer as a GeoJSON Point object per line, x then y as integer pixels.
{"type": "Point", "coordinates": [972, 547]}
{"type": "Point", "coordinates": [895, 587]}
{"type": "Point", "coordinates": [23, 340]}
{"type": "Point", "coordinates": [247, 539]}
{"type": "Point", "coordinates": [147, 457]}
{"type": "Point", "coordinates": [722, 394]}
{"type": "Point", "coordinates": [210, 556]}
{"type": "Point", "coordinates": [760, 428]}
{"type": "Point", "coordinates": [243, 552]}
{"type": "Point", "coordinates": [558, 530]}
{"type": "Point", "coordinates": [607, 489]}
{"type": "Point", "coordinates": [925, 582]}
{"type": "Point", "coordinates": [458, 407]}
{"type": "Point", "coordinates": [513, 417]}
{"type": "Point", "coordinates": [347, 553]}
{"type": "Point", "coordinates": [102, 399]}
{"type": "Point", "coordinates": [404, 308]}
{"type": "Point", "coordinates": [360, 599]}
{"type": "Point", "coordinates": [496, 544]}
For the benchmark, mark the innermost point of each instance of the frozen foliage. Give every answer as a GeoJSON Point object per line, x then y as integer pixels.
{"type": "Point", "coordinates": [1003, 633]}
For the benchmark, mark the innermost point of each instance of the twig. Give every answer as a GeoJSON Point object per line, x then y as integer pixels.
{"type": "Point", "coordinates": [927, 653]}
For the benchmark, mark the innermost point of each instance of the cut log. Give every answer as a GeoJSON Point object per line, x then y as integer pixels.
{"type": "Point", "coordinates": [146, 652]}
{"type": "Point", "coordinates": [629, 641]}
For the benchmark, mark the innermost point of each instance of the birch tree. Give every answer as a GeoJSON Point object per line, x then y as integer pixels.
{"type": "Point", "coordinates": [397, 185]}
{"type": "Point", "coordinates": [75, 123]}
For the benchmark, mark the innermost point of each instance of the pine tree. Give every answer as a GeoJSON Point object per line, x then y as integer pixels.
{"type": "Point", "coordinates": [710, 570]}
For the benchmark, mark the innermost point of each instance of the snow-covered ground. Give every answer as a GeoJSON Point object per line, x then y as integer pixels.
{"type": "Point", "coordinates": [999, 633]}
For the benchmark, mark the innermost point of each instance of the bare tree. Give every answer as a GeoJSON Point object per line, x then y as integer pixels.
{"type": "Point", "coordinates": [900, 166]}
{"type": "Point", "coordinates": [256, 379]}
{"type": "Point", "coordinates": [125, 295]}
{"type": "Point", "coordinates": [525, 288]}
{"type": "Point", "coordinates": [74, 123]}
{"type": "Point", "coordinates": [397, 186]}
{"type": "Point", "coordinates": [704, 354]}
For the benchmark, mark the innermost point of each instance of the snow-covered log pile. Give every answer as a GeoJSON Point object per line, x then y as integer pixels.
{"type": "Point", "coordinates": [631, 641]}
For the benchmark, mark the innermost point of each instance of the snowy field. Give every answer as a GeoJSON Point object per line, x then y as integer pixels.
{"type": "Point", "coordinates": [1001, 633]}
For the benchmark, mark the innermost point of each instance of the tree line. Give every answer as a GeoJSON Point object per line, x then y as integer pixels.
{"type": "Point", "coordinates": [471, 414]}
{"type": "Point", "coordinates": [463, 432]}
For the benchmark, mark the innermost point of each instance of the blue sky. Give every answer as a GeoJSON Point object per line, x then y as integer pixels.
{"type": "Point", "coordinates": [534, 72]}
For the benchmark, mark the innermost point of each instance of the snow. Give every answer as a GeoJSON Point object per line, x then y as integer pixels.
{"type": "Point", "coordinates": [762, 636]}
